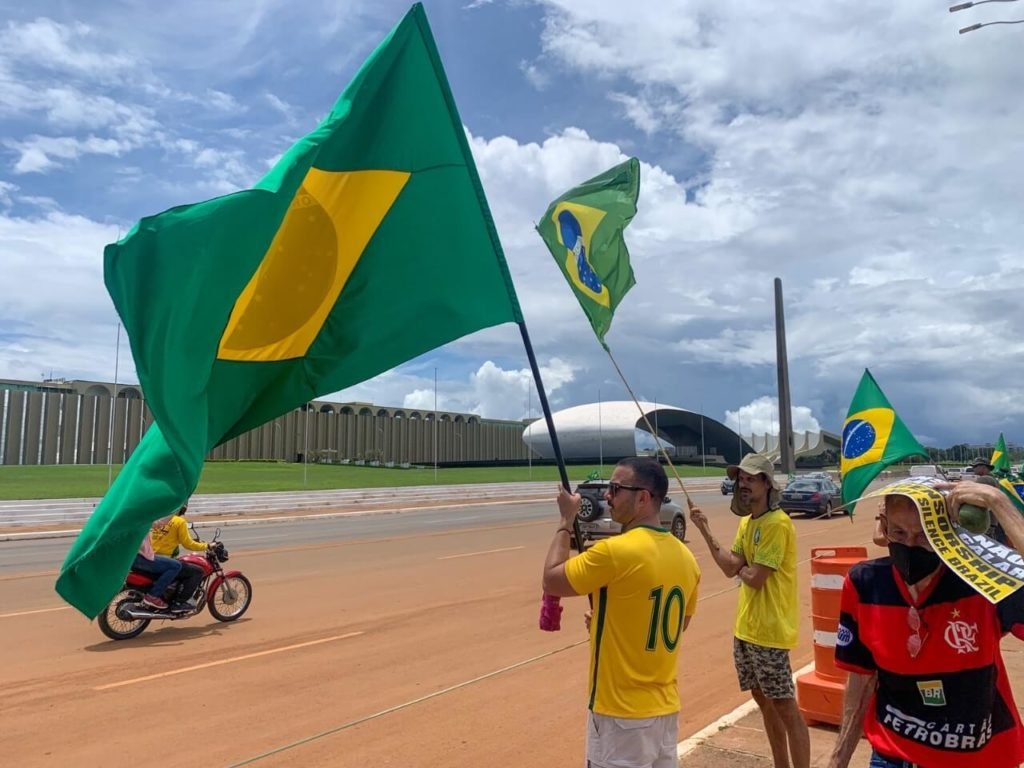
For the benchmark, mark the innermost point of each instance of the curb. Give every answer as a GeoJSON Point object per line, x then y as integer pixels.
{"type": "Point", "coordinates": [705, 734]}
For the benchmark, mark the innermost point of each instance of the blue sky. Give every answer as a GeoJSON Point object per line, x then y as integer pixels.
{"type": "Point", "coordinates": [862, 151]}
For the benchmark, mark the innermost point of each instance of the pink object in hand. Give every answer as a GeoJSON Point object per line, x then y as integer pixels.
{"type": "Point", "coordinates": [550, 613]}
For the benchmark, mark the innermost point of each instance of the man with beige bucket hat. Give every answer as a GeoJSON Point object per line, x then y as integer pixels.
{"type": "Point", "coordinates": [763, 557]}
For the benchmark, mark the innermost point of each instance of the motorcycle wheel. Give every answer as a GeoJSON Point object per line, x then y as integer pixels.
{"type": "Point", "coordinates": [231, 598]}
{"type": "Point", "coordinates": [116, 628]}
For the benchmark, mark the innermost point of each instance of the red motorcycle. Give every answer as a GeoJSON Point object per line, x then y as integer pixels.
{"type": "Point", "coordinates": [228, 595]}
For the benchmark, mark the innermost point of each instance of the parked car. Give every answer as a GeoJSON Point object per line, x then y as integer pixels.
{"type": "Point", "coordinates": [816, 476]}
{"type": "Point", "coordinates": [596, 522]}
{"type": "Point", "coordinates": [927, 470]}
{"type": "Point", "coordinates": [812, 496]}
{"type": "Point", "coordinates": [728, 486]}
{"type": "Point", "coordinates": [954, 474]}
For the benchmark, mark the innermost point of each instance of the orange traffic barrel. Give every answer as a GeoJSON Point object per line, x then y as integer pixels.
{"type": "Point", "coordinates": [820, 693]}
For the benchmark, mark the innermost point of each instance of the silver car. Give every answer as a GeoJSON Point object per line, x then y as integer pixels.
{"type": "Point", "coordinates": [596, 522]}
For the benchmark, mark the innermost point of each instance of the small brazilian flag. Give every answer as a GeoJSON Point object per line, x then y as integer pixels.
{"type": "Point", "coordinates": [1012, 493]}
{"type": "Point", "coordinates": [1000, 460]}
{"type": "Point", "coordinates": [368, 243]}
{"type": "Point", "coordinates": [873, 438]}
{"type": "Point", "coordinates": [584, 228]}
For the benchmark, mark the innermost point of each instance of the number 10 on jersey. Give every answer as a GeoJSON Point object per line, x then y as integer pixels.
{"type": "Point", "coordinates": [665, 622]}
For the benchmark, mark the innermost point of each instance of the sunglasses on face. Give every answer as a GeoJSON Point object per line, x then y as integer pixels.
{"type": "Point", "coordinates": [614, 488]}
{"type": "Point", "coordinates": [916, 641]}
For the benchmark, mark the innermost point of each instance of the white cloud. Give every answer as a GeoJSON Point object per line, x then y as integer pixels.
{"type": "Point", "coordinates": [639, 112]}
{"type": "Point", "coordinates": [41, 153]}
{"type": "Point", "coordinates": [54, 311]}
{"type": "Point", "coordinates": [57, 46]}
{"type": "Point", "coordinates": [7, 190]}
{"type": "Point", "coordinates": [489, 391]}
{"type": "Point", "coordinates": [761, 417]}
{"type": "Point", "coordinates": [535, 75]}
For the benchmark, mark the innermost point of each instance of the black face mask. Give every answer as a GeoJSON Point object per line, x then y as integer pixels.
{"type": "Point", "coordinates": [913, 563]}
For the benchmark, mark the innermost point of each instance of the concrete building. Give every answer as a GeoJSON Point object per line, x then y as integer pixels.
{"type": "Point", "coordinates": [60, 421]}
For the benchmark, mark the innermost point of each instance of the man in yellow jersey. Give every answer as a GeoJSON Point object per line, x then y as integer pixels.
{"type": "Point", "coordinates": [763, 556]}
{"type": "Point", "coordinates": [643, 584]}
{"type": "Point", "coordinates": [168, 535]}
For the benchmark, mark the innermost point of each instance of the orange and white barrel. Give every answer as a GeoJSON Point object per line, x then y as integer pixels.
{"type": "Point", "coordinates": [820, 692]}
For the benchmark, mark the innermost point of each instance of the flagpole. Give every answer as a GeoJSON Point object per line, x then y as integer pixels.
{"type": "Point", "coordinates": [435, 424]}
{"type": "Point", "coordinates": [643, 415]}
{"type": "Point", "coordinates": [600, 436]}
{"type": "Point", "coordinates": [113, 406]}
{"type": "Point", "coordinates": [703, 453]}
{"type": "Point", "coordinates": [657, 442]}
{"type": "Point", "coordinates": [529, 429]}
{"type": "Point", "coordinates": [551, 610]}
{"type": "Point", "coordinates": [305, 449]}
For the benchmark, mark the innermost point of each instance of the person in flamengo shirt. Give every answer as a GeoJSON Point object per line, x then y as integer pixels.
{"type": "Point", "coordinates": [927, 683]}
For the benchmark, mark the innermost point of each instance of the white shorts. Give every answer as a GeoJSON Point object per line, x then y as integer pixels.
{"type": "Point", "coordinates": [618, 742]}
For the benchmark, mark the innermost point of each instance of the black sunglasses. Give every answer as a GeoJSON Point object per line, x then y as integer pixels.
{"type": "Point", "coordinates": [614, 488]}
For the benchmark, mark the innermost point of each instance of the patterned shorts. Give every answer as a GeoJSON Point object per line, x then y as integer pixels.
{"type": "Point", "coordinates": [765, 668]}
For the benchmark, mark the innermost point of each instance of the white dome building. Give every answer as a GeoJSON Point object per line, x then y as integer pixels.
{"type": "Point", "coordinates": [610, 430]}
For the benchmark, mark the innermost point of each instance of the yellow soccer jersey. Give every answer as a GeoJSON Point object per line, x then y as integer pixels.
{"type": "Point", "coordinates": [770, 615]}
{"type": "Point", "coordinates": [643, 583]}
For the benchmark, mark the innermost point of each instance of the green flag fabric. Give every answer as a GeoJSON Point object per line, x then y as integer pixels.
{"type": "Point", "coordinates": [873, 438]}
{"type": "Point", "coordinates": [584, 228]}
{"type": "Point", "coordinates": [369, 242]}
{"type": "Point", "coordinates": [1000, 460]}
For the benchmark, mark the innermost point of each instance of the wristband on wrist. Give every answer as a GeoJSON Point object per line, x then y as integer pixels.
{"type": "Point", "coordinates": [567, 530]}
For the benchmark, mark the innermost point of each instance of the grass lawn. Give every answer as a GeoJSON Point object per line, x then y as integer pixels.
{"type": "Point", "coordinates": [77, 481]}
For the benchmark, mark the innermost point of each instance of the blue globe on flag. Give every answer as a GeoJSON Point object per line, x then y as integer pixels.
{"type": "Point", "coordinates": [858, 438]}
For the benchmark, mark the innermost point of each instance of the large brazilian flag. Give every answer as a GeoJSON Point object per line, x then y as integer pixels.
{"type": "Point", "coordinates": [368, 243]}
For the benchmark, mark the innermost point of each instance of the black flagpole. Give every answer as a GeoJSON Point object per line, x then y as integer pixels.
{"type": "Point", "coordinates": [550, 615]}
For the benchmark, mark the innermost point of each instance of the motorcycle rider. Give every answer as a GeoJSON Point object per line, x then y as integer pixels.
{"type": "Point", "coordinates": [168, 535]}
{"type": "Point", "coordinates": [164, 570]}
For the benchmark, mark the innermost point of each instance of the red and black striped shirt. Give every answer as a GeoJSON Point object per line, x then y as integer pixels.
{"type": "Point", "coordinates": [950, 705]}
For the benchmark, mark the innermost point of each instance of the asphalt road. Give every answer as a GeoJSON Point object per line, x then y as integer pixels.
{"type": "Point", "coordinates": [405, 639]}
{"type": "Point", "coordinates": [34, 555]}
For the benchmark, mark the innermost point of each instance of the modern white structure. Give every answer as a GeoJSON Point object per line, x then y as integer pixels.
{"type": "Point", "coordinates": [609, 430]}
{"type": "Point", "coordinates": [804, 443]}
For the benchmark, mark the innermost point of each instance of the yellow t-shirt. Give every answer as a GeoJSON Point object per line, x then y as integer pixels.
{"type": "Point", "coordinates": [172, 534]}
{"type": "Point", "coordinates": [770, 615]}
{"type": "Point", "coordinates": [643, 583]}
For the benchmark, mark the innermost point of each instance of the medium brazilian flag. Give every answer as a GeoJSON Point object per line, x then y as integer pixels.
{"type": "Point", "coordinates": [873, 438]}
{"type": "Point", "coordinates": [584, 228]}
{"type": "Point", "coordinates": [1000, 460]}
{"type": "Point", "coordinates": [367, 244]}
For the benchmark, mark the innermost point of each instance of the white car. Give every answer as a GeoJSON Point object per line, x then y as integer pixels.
{"type": "Point", "coordinates": [927, 470]}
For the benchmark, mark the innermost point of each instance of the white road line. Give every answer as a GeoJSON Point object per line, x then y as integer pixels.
{"type": "Point", "coordinates": [221, 662]}
{"type": "Point", "coordinates": [39, 610]}
{"type": "Point", "coordinates": [483, 552]}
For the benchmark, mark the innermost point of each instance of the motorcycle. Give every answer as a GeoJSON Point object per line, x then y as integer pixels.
{"type": "Point", "coordinates": [227, 594]}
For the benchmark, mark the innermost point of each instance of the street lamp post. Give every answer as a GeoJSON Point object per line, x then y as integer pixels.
{"type": "Point", "coordinates": [973, 27]}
